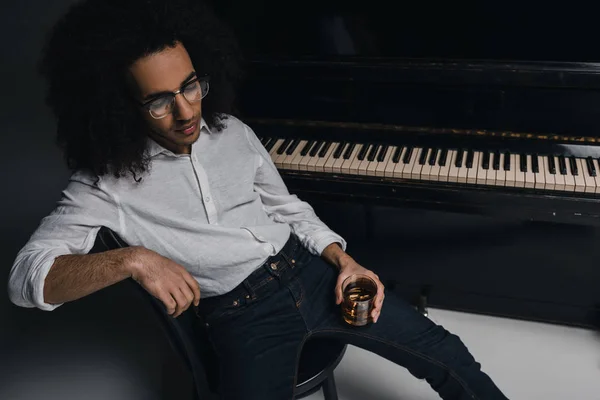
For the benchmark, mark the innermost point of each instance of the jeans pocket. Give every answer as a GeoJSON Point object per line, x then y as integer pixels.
{"type": "Point", "coordinates": [226, 312]}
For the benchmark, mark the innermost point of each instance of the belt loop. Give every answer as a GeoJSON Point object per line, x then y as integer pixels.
{"type": "Point", "coordinates": [250, 294]}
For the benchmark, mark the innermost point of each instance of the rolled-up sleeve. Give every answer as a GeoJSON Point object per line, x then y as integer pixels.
{"type": "Point", "coordinates": [284, 207]}
{"type": "Point", "coordinates": [70, 228]}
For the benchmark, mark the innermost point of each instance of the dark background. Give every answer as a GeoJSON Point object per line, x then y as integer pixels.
{"type": "Point", "coordinates": [108, 345]}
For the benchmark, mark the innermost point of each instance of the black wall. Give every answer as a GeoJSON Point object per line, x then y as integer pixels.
{"type": "Point", "coordinates": [105, 346]}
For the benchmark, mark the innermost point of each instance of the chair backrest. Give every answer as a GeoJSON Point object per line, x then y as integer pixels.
{"type": "Point", "coordinates": [185, 333]}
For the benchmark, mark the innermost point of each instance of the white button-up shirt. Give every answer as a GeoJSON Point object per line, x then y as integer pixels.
{"type": "Point", "coordinates": [220, 212]}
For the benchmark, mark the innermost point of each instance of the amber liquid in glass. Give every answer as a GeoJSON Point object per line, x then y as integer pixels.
{"type": "Point", "coordinates": [358, 304]}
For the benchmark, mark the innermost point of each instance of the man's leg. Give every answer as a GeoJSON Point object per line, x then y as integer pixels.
{"type": "Point", "coordinates": [258, 346]}
{"type": "Point", "coordinates": [402, 335]}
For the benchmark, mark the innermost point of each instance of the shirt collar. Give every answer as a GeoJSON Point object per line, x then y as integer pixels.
{"type": "Point", "coordinates": [154, 148]}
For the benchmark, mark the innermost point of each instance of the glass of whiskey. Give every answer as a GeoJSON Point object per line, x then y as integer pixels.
{"type": "Point", "coordinates": [358, 293]}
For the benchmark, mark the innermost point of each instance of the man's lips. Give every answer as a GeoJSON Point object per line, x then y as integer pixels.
{"type": "Point", "coordinates": [188, 128]}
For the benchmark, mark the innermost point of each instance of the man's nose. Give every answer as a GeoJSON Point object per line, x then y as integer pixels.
{"type": "Point", "coordinates": [183, 109]}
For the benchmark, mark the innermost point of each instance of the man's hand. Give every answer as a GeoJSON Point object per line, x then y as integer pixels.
{"type": "Point", "coordinates": [351, 267]}
{"type": "Point", "coordinates": [166, 280]}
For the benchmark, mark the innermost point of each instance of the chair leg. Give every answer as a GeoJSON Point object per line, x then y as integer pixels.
{"type": "Point", "coordinates": [329, 388]}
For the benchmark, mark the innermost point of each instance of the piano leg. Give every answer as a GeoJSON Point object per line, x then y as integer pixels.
{"type": "Point", "coordinates": [422, 302]}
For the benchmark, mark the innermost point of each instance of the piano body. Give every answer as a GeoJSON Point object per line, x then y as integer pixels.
{"type": "Point", "coordinates": [460, 160]}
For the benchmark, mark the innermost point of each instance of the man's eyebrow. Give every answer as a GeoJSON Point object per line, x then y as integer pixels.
{"type": "Point", "coordinates": [191, 76]}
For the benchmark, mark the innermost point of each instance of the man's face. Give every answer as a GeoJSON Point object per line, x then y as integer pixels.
{"type": "Point", "coordinates": [168, 71]}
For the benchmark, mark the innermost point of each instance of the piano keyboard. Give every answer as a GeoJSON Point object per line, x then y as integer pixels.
{"type": "Point", "coordinates": [467, 166]}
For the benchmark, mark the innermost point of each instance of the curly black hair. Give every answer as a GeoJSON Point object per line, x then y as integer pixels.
{"type": "Point", "coordinates": [85, 62]}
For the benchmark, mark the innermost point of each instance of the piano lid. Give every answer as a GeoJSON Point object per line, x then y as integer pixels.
{"type": "Point", "coordinates": [492, 66]}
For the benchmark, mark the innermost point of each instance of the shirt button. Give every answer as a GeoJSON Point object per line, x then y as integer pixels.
{"type": "Point", "coordinates": [207, 199]}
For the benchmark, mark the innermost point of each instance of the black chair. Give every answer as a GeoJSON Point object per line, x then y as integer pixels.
{"type": "Point", "coordinates": [186, 334]}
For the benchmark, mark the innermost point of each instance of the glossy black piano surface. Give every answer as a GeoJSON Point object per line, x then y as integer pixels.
{"type": "Point", "coordinates": [458, 151]}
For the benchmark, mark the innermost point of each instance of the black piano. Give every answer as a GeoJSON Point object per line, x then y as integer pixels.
{"type": "Point", "coordinates": [456, 150]}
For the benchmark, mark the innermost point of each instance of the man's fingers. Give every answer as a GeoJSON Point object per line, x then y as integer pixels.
{"type": "Point", "coordinates": [169, 302]}
{"type": "Point", "coordinates": [182, 302]}
{"type": "Point", "coordinates": [194, 287]}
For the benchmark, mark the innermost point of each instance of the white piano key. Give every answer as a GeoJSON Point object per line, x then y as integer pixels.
{"type": "Point", "coordinates": [569, 178]}
{"type": "Point", "coordinates": [597, 177]}
{"type": "Point", "coordinates": [364, 163]}
{"type": "Point", "coordinates": [398, 168]}
{"type": "Point", "coordinates": [472, 172]}
{"type": "Point", "coordinates": [579, 179]}
{"type": "Point", "coordinates": [278, 158]}
{"type": "Point", "coordinates": [436, 168]}
{"type": "Point", "coordinates": [415, 172]}
{"type": "Point", "coordinates": [490, 176]}
{"type": "Point", "coordinates": [590, 183]}
{"type": "Point", "coordinates": [426, 168]}
{"type": "Point", "coordinates": [383, 166]}
{"type": "Point", "coordinates": [500, 173]}
{"type": "Point", "coordinates": [373, 165]}
{"type": "Point", "coordinates": [353, 169]}
{"type": "Point", "coordinates": [445, 170]}
{"type": "Point", "coordinates": [548, 177]}
{"type": "Point", "coordinates": [540, 176]}
{"type": "Point", "coordinates": [347, 165]}
{"type": "Point", "coordinates": [287, 162]}
{"type": "Point", "coordinates": [338, 163]}
{"type": "Point", "coordinates": [320, 165]}
{"type": "Point", "coordinates": [453, 170]}
{"type": "Point", "coordinates": [328, 166]}
{"type": "Point", "coordinates": [481, 176]}
{"type": "Point", "coordinates": [519, 175]}
{"type": "Point", "coordinates": [407, 168]}
{"type": "Point", "coordinates": [559, 179]}
{"type": "Point", "coordinates": [391, 165]}
{"type": "Point", "coordinates": [511, 175]}
{"type": "Point", "coordinates": [273, 151]}
{"type": "Point", "coordinates": [529, 175]}
{"type": "Point", "coordinates": [463, 171]}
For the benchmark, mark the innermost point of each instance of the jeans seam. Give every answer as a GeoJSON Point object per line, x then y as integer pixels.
{"type": "Point", "coordinates": [408, 350]}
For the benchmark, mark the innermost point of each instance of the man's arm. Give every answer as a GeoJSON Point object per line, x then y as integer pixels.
{"type": "Point", "coordinates": [74, 276]}
{"type": "Point", "coordinates": [288, 208]}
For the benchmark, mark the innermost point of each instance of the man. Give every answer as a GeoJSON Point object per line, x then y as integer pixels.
{"type": "Point", "coordinates": [142, 91]}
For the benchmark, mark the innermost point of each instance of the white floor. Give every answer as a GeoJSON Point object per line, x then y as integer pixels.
{"type": "Point", "coordinates": [527, 360]}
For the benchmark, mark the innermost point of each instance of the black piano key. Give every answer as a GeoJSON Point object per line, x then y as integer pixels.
{"type": "Point", "coordinates": [313, 152]}
{"type": "Point", "coordinates": [423, 156]}
{"type": "Point", "coordinates": [590, 166]}
{"type": "Point", "coordinates": [349, 151]}
{"type": "Point", "coordinates": [523, 162]}
{"type": "Point", "coordinates": [433, 156]}
{"type": "Point", "coordinates": [459, 158]}
{"type": "Point", "coordinates": [485, 161]}
{"type": "Point", "coordinates": [551, 165]}
{"type": "Point", "coordinates": [535, 165]}
{"type": "Point", "coordinates": [562, 165]}
{"type": "Point", "coordinates": [307, 147]}
{"type": "Point", "coordinates": [338, 151]}
{"type": "Point", "coordinates": [284, 146]}
{"type": "Point", "coordinates": [292, 146]}
{"type": "Point", "coordinates": [382, 152]}
{"type": "Point", "coordinates": [270, 145]}
{"type": "Point", "coordinates": [443, 157]}
{"type": "Point", "coordinates": [407, 155]}
{"type": "Point", "coordinates": [469, 161]}
{"type": "Point", "coordinates": [506, 165]}
{"type": "Point", "coordinates": [396, 156]}
{"type": "Point", "coordinates": [363, 151]}
{"type": "Point", "coordinates": [496, 161]}
{"type": "Point", "coordinates": [573, 163]}
{"type": "Point", "coordinates": [373, 152]}
{"type": "Point", "coordinates": [325, 149]}
{"type": "Point", "coordinates": [266, 141]}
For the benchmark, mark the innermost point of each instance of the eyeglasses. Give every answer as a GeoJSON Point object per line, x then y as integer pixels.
{"type": "Point", "coordinates": [193, 91]}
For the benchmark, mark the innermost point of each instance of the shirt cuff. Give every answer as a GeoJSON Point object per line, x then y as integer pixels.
{"type": "Point", "coordinates": [318, 243]}
{"type": "Point", "coordinates": [37, 280]}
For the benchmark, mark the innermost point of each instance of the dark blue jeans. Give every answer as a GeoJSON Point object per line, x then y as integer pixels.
{"type": "Point", "coordinates": [258, 330]}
